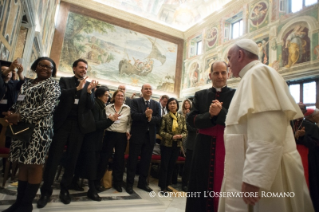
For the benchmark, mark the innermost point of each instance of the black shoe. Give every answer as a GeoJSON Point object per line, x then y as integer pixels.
{"type": "Point", "coordinates": [76, 187]}
{"type": "Point", "coordinates": [65, 196]}
{"type": "Point", "coordinates": [12, 208]}
{"type": "Point", "coordinates": [42, 202]}
{"type": "Point", "coordinates": [185, 188]}
{"type": "Point", "coordinates": [129, 189]}
{"type": "Point", "coordinates": [98, 186]}
{"type": "Point", "coordinates": [145, 188]}
{"type": "Point", "coordinates": [168, 189]}
{"type": "Point", "coordinates": [93, 195]}
{"type": "Point", "coordinates": [118, 188]}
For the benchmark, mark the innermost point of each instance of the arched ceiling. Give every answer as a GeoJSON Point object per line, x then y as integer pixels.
{"type": "Point", "coordinates": [178, 14]}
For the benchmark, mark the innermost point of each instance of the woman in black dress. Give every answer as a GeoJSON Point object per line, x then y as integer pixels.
{"type": "Point", "coordinates": [92, 143]}
{"type": "Point", "coordinates": [35, 105]}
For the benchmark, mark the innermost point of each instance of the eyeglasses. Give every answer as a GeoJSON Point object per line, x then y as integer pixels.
{"type": "Point", "coordinates": [45, 66]}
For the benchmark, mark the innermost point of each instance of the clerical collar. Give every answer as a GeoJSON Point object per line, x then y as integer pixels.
{"type": "Point", "coordinates": [248, 67]}
{"type": "Point", "coordinates": [219, 89]}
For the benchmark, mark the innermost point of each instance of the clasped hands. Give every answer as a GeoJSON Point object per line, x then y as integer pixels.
{"type": "Point", "coordinates": [215, 107]}
{"type": "Point", "coordinates": [300, 133]}
{"type": "Point", "coordinates": [91, 86]}
{"type": "Point", "coordinates": [148, 113]}
{"type": "Point", "coordinates": [176, 137]}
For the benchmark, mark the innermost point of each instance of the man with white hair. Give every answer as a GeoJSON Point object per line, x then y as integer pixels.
{"type": "Point", "coordinates": [261, 158]}
{"type": "Point", "coordinates": [312, 115]}
{"type": "Point", "coordinates": [128, 100]}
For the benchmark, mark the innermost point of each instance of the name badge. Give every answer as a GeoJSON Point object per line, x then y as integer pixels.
{"type": "Point", "coordinates": [20, 97]}
{"type": "Point", "coordinates": [4, 102]}
{"type": "Point", "coordinates": [76, 101]}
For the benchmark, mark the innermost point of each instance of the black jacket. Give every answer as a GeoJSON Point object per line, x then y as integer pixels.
{"type": "Point", "coordinates": [140, 125]}
{"type": "Point", "coordinates": [199, 116]}
{"type": "Point", "coordinates": [93, 141]}
{"type": "Point", "coordinates": [86, 103]}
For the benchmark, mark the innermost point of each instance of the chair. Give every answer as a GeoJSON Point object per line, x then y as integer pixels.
{"type": "Point", "coordinates": [5, 152]}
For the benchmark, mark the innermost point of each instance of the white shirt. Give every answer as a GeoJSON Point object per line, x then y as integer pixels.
{"type": "Point", "coordinates": [165, 110]}
{"type": "Point", "coordinates": [123, 124]}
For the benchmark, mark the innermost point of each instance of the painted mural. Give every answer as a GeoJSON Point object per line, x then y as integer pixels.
{"type": "Point", "coordinates": [211, 37]}
{"type": "Point", "coordinates": [258, 15]}
{"type": "Point", "coordinates": [263, 50]}
{"type": "Point", "coordinates": [117, 54]}
{"type": "Point", "coordinates": [296, 46]}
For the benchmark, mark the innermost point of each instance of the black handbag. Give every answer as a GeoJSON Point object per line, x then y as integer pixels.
{"type": "Point", "coordinates": [22, 131]}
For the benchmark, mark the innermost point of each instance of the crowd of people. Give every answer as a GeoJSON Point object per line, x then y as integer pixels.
{"type": "Point", "coordinates": [234, 141]}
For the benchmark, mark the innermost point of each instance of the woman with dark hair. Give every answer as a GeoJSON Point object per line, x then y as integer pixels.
{"type": "Point", "coordinates": [173, 130]}
{"type": "Point", "coordinates": [35, 105]}
{"type": "Point", "coordinates": [92, 143]}
{"type": "Point", "coordinates": [116, 136]}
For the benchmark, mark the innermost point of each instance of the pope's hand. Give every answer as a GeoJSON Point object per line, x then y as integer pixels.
{"type": "Point", "coordinates": [250, 199]}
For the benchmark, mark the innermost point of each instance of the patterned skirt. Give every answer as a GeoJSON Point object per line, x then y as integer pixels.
{"type": "Point", "coordinates": [36, 150]}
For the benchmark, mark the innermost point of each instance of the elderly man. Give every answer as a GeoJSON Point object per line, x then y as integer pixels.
{"type": "Point", "coordinates": [208, 115]}
{"type": "Point", "coordinates": [128, 100]}
{"type": "Point", "coordinates": [261, 156]}
{"type": "Point", "coordinates": [312, 115]}
{"type": "Point", "coordinates": [145, 114]}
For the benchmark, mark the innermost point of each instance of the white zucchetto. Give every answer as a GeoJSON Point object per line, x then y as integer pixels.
{"type": "Point", "coordinates": [248, 45]}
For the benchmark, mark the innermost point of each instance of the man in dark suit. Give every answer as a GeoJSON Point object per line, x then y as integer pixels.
{"type": "Point", "coordinates": [128, 99]}
{"type": "Point", "coordinates": [145, 114]}
{"type": "Point", "coordinates": [72, 119]}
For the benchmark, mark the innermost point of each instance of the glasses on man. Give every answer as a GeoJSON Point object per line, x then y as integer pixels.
{"type": "Point", "coordinates": [45, 66]}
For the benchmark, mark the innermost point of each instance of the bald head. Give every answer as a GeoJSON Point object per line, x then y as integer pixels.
{"type": "Point", "coordinates": [122, 88]}
{"type": "Point", "coordinates": [146, 91]}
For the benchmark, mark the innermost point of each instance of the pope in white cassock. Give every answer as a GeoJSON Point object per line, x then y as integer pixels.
{"type": "Point", "coordinates": [261, 154]}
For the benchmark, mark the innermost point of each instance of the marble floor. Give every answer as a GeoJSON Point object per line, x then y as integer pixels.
{"type": "Point", "coordinates": [111, 200]}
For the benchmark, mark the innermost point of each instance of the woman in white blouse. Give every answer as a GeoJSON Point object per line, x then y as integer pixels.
{"type": "Point", "coordinates": [116, 136]}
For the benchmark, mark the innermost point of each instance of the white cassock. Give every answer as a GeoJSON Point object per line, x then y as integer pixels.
{"type": "Point", "coordinates": [260, 146]}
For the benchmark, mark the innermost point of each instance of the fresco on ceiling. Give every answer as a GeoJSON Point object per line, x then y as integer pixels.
{"type": "Point", "coordinates": [296, 46]}
{"type": "Point", "coordinates": [258, 15]}
{"type": "Point", "coordinates": [211, 37]}
{"type": "Point", "coordinates": [179, 14]}
{"type": "Point", "coordinates": [263, 50]}
{"type": "Point", "coordinates": [117, 54]}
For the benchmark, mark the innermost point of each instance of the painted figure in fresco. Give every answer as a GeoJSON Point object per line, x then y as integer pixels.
{"type": "Point", "coordinates": [316, 51]}
{"type": "Point", "coordinates": [212, 37]}
{"type": "Point", "coordinates": [295, 44]}
{"type": "Point", "coordinates": [194, 75]}
{"type": "Point", "coordinates": [258, 14]}
{"type": "Point", "coordinates": [262, 51]}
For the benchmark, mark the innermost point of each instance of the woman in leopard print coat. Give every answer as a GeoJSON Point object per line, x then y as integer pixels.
{"type": "Point", "coordinates": [38, 98]}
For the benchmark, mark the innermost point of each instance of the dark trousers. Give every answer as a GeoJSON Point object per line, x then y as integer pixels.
{"type": "Point", "coordinates": [145, 150]}
{"type": "Point", "coordinates": [68, 135]}
{"type": "Point", "coordinates": [187, 167]}
{"type": "Point", "coordinates": [118, 141]}
{"type": "Point", "coordinates": [169, 156]}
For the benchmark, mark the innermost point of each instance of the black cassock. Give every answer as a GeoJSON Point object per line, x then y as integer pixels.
{"type": "Point", "coordinates": [311, 141]}
{"type": "Point", "coordinates": [209, 151]}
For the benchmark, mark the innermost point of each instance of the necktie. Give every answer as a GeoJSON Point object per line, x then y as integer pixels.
{"type": "Point", "coordinates": [147, 103]}
{"type": "Point", "coordinates": [163, 111]}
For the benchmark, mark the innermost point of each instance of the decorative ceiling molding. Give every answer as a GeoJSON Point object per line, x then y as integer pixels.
{"type": "Point", "coordinates": [126, 16]}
